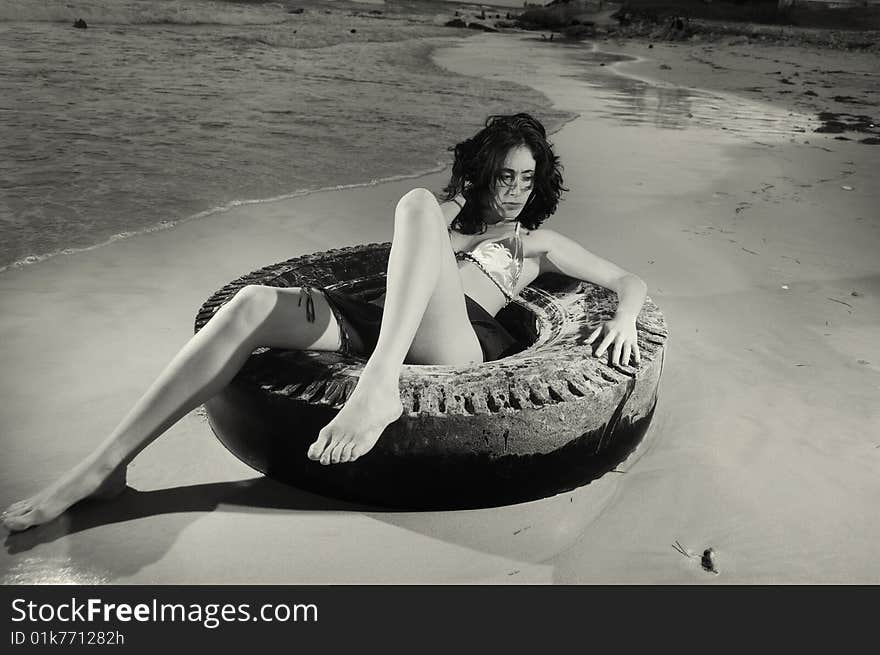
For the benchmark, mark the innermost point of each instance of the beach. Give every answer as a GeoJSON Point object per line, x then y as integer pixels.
{"type": "Point", "coordinates": [757, 236]}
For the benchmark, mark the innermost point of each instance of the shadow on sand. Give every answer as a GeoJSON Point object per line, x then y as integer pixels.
{"type": "Point", "coordinates": [529, 532]}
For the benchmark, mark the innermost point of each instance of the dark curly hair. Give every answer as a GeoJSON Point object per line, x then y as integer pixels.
{"type": "Point", "coordinates": [477, 165]}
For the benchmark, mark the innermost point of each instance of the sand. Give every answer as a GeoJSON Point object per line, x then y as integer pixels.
{"type": "Point", "coordinates": [764, 445]}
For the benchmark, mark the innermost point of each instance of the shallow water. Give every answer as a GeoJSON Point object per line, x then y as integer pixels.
{"type": "Point", "coordinates": [626, 100]}
{"type": "Point", "coordinates": [160, 111]}
{"type": "Point", "coordinates": [163, 111]}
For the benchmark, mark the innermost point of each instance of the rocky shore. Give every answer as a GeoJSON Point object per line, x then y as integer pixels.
{"type": "Point", "coordinates": [846, 29]}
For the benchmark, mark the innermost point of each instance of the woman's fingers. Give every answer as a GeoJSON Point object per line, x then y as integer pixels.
{"type": "Point", "coordinates": [615, 352]}
{"type": "Point", "coordinates": [604, 344]}
{"type": "Point", "coordinates": [625, 349]}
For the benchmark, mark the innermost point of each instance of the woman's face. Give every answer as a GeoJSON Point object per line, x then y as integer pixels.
{"type": "Point", "coordinates": [513, 185]}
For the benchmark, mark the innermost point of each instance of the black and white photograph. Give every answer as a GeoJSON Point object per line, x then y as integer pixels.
{"type": "Point", "coordinates": [420, 292]}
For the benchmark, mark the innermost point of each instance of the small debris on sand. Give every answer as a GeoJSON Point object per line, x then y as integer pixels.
{"type": "Point", "coordinates": [839, 301]}
{"type": "Point", "coordinates": [708, 561]}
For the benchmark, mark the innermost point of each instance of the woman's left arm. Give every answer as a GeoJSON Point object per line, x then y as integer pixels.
{"type": "Point", "coordinates": [559, 254]}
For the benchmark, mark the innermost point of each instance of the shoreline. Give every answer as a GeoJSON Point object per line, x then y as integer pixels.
{"type": "Point", "coordinates": [164, 225]}
{"type": "Point", "coordinates": [800, 79]}
{"type": "Point", "coordinates": [425, 45]}
{"type": "Point", "coordinates": [758, 407]}
{"type": "Point", "coordinates": [697, 73]}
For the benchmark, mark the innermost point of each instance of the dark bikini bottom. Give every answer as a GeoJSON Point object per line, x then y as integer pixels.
{"type": "Point", "coordinates": [366, 317]}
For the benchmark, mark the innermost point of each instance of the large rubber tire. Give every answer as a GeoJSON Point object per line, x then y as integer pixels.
{"type": "Point", "coordinates": [545, 420]}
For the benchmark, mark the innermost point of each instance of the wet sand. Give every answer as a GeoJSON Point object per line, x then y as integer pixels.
{"type": "Point", "coordinates": [763, 445]}
{"type": "Point", "coordinates": [842, 85]}
{"type": "Point", "coordinates": [761, 251]}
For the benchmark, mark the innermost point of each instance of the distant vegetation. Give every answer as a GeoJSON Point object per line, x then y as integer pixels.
{"type": "Point", "coordinates": [773, 12]}
{"type": "Point", "coordinates": [561, 14]}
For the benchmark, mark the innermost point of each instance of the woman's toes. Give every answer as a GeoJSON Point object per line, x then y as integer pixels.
{"type": "Point", "coordinates": [336, 452]}
{"type": "Point", "coordinates": [19, 522]}
{"type": "Point", "coordinates": [316, 450]}
{"type": "Point", "coordinates": [21, 505]}
{"type": "Point", "coordinates": [346, 452]}
{"type": "Point", "coordinates": [16, 510]}
{"type": "Point", "coordinates": [356, 451]}
{"type": "Point", "coordinates": [328, 451]}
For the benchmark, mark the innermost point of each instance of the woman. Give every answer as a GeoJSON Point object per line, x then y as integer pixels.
{"type": "Point", "coordinates": [453, 265]}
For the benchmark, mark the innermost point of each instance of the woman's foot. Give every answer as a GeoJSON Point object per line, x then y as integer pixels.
{"type": "Point", "coordinates": [357, 427]}
{"type": "Point", "coordinates": [88, 480]}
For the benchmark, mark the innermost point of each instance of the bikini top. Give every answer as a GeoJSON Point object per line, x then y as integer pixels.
{"type": "Point", "coordinates": [500, 259]}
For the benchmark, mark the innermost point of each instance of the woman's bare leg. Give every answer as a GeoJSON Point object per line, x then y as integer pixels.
{"type": "Point", "coordinates": [424, 321]}
{"type": "Point", "coordinates": [256, 316]}
{"type": "Point", "coordinates": [424, 318]}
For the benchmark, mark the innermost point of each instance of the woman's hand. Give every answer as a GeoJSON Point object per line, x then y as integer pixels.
{"type": "Point", "coordinates": [620, 334]}
{"type": "Point", "coordinates": [559, 254]}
